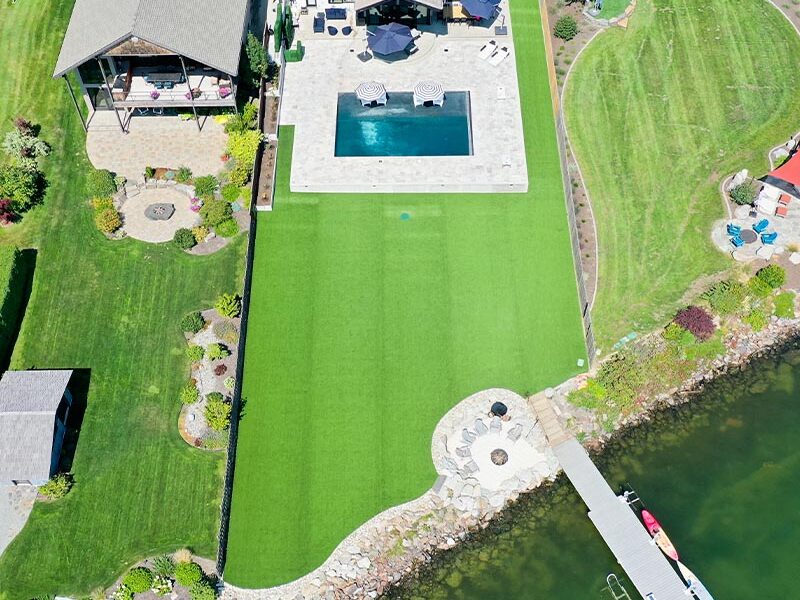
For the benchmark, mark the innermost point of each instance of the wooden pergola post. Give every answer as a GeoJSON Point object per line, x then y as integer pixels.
{"type": "Point", "coordinates": [110, 93]}
{"type": "Point", "coordinates": [191, 93]}
{"type": "Point", "coordinates": [75, 102]}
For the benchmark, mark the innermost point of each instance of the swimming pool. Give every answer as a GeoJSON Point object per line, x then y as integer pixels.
{"type": "Point", "coordinates": [399, 129]}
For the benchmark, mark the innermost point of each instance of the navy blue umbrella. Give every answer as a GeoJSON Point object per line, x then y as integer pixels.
{"type": "Point", "coordinates": [481, 9]}
{"type": "Point", "coordinates": [391, 38]}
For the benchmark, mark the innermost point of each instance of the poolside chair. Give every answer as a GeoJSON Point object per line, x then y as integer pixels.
{"type": "Point", "coordinates": [347, 30]}
{"type": "Point", "coordinates": [487, 50]}
{"type": "Point", "coordinates": [734, 229]}
{"type": "Point", "coordinates": [769, 238]}
{"type": "Point", "coordinates": [782, 211]}
{"type": "Point", "coordinates": [499, 56]}
{"type": "Point", "coordinates": [761, 226]}
{"type": "Point", "coordinates": [468, 436]}
{"type": "Point", "coordinates": [785, 199]}
{"type": "Point", "coordinates": [332, 30]}
{"type": "Point", "coordinates": [737, 241]}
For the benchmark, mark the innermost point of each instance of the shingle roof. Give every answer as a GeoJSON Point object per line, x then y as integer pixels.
{"type": "Point", "coordinates": [28, 404]}
{"type": "Point", "coordinates": [207, 31]}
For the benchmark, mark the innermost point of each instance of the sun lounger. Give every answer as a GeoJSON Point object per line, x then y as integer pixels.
{"type": "Point", "coordinates": [761, 225]}
{"type": "Point", "coordinates": [769, 238]}
{"type": "Point", "coordinates": [499, 56]}
{"type": "Point", "coordinates": [785, 199]}
{"type": "Point", "coordinates": [488, 49]}
{"type": "Point", "coordinates": [737, 241]}
{"type": "Point", "coordinates": [734, 229]}
{"type": "Point", "coordinates": [782, 211]}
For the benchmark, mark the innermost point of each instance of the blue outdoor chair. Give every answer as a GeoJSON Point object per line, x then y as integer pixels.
{"type": "Point", "coordinates": [734, 229]}
{"type": "Point", "coordinates": [332, 30]}
{"type": "Point", "coordinates": [761, 226]}
{"type": "Point", "coordinates": [347, 30]}
{"type": "Point", "coordinates": [769, 238]}
{"type": "Point", "coordinates": [737, 241]}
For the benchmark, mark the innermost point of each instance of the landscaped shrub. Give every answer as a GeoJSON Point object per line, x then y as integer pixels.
{"type": "Point", "coordinates": [99, 204]}
{"type": "Point", "coordinates": [200, 233]}
{"type": "Point", "coordinates": [244, 120]}
{"type": "Point", "coordinates": [227, 331]}
{"type": "Point", "coordinates": [184, 238]}
{"type": "Point", "coordinates": [240, 174]}
{"type": "Point", "coordinates": [164, 566]}
{"type": "Point", "coordinates": [228, 305]}
{"type": "Point", "coordinates": [183, 175]}
{"type": "Point", "coordinates": [193, 322]}
{"type": "Point", "coordinates": [217, 351]}
{"type": "Point", "coordinates": [295, 54]}
{"type": "Point", "coordinates": [621, 377]}
{"type": "Point", "coordinates": [744, 193]}
{"type": "Point", "coordinates": [215, 397]}
{"type": "Point", "coordinates": [123, 592]}
{"type": "Point", "coordinates": [20, 185]}
{"type": "Point", "coordinates": [220, 369]}
{"type": "Point", "coordinates": [277, 29]}
{"type": "Point", "coordinates": [24, 146]}
{"type": "Point", "coordinates": [100, 183]}
{"type": "Point", "coordinates": [108, 220]}
{"type": "Point", "coordinates": [566, 28]}
{"type": "Point", "coordinates": [58, 486]}
{"type": "Point", "coordinates": [205, 186]}
{"type": "Point", "coordinates": [725, 297]}
{"type": "Point", "coordinates": [138, 580]}
{"type": "Point", "coordinates": [214, 211]}
{"type": "Point", "coordinates": [202, 590]}
{"type": "Point", "coordinates": [149, 172]}
{"type": "Point", "coordinates": [773, 275]}
{"type": "Point", "coordinates": [187, 573]}
{"type": "Point", "coordinates": [7, 214]}
{"type": "Point", "coordinates": [230, 192]}
{"type": "Point", "coordinates": [189, 393]}
{"type": "Point", "coordinates": [195, 353]}
{"type": "Point", "coordinates": [184, 555]}
{"type": "Point", "coordinates": [756, 318]}
{"type": "Point", "coordinates": [227, 229]}
{"type": "Point", "coordinates": [243, 146]}
{"type": "Point", "coordinates": [229, 383]}
{"type": "Point", "coordinates": [697, 321]}
{"type": "Point", "coordinates": [784, 305]}
{"type": "Point", "coordinates": [218, 413]}
{"type": "Point", "coordinates": [675, 333]}
{"type": "Point", "coordinates": [162, 585]}
{"type": "Point", "coordinates": [758, 287]}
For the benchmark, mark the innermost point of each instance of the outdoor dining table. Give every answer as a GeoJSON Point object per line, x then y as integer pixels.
{"type": "Point", "coordinates": [748, 236]}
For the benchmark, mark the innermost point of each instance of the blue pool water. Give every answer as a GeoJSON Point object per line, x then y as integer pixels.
{"type": "Point", "coordinates": [399, 129]}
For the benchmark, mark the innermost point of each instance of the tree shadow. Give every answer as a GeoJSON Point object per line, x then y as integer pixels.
{"type": "Point", "coordinates": [79, 388]}
{"type": "Point", "coordinates": [26, 266]}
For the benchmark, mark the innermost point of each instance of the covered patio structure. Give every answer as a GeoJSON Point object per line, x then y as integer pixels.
{"type": "Point", "coordinates": [145, 56]}
{"type": "Point", "coordinates": [786, 177]}
{"type": "Point", "coordinates": [407, 12]}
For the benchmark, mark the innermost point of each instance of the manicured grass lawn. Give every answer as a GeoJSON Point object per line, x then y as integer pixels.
{"type": "Point", "coordinates": [111, 308]}
{"type": "Point", "coordinates": [365, 328]}
{"type": "Point", "coordinates": [613, 8]}
{"type": "Point", "coordinates": [657, 115]}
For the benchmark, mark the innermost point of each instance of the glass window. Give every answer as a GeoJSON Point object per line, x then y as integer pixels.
{"type": "Point", "coordinates": [90, 73]}
{"type": "Point", "coordinates": [99, 98]}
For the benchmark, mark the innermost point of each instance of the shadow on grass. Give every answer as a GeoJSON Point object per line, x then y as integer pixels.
{"type": "Point", "coordinates": [79, 388]}
{"type": "Point", "coordinates": [14, 313]}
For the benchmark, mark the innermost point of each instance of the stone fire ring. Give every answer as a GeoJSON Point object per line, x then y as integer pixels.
{"type": "Point", "coordinates": [160, 211]}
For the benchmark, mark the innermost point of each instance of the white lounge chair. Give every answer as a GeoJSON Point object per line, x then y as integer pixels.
{"type": "Point", "coordinates": [488, 49]}
{"type": "Point", "coordinates": [499, 56]}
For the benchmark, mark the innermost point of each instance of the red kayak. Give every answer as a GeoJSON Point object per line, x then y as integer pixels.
{"type": "Point", "coordinates": [655, 529]}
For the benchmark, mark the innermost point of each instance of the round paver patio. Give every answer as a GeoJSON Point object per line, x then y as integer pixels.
{"type": "Point", "coordinates": [138, 226]}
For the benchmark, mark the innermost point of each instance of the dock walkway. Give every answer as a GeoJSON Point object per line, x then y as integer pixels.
{"type": "Point", "coordinates": [645, 565]}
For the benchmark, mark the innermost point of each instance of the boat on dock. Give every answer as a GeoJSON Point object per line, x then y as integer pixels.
{"type": "Point", "coordinates": [694, 584]}
{"type": "Point", "coordinates": [662, 540]}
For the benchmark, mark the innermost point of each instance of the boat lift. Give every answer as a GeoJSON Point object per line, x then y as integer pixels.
{"type": "Point", "coordinates": [615, 588]}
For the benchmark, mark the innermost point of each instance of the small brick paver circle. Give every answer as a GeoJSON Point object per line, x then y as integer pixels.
{"type": "Point", "coordinates": [138, 226]}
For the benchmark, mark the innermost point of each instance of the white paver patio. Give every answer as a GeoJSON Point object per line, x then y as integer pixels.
{"type": "Point", "coordinates": [155, 141]}
{"type": "Point", "coordinates": [331, 66]}
{"type": "Point", "coordinates": [138, 226]}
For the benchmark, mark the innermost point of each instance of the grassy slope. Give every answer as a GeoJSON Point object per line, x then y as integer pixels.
{"type": "Point", "coordinates": [656, 114]}
{"type": "Point", "coordinates": [365, 329]}
{"type": "Point", "coordinates": [112, 308]}
{"type": "Point", "coordinates": [613, 8]}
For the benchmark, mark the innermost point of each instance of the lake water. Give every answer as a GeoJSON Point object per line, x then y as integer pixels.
{"type": "Point", "coordinates": [400, 129]}
{"type": "Point", "coordinates": [722, 476]}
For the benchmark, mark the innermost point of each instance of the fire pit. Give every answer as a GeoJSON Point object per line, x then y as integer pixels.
{"type": "Point", "coordinates": [160, 211]}
{"type": "Point", "coordinates": [499, 456]}
{"type": "Point", "coordinates": [499, 409]}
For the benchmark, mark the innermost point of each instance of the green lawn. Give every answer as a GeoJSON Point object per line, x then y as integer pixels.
{"type": "Point", "coordinates": [657, 115]}
{"type": "Point", "coordinates": [366, 328]}
{"type": "Point", "coordinates": [613, 8]}
{"type": "Point", "coordinates": [111, 308]}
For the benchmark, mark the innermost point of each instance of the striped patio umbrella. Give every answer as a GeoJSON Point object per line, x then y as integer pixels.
{"type": "Point", "coordinates": [428, 91]}
{"type": "Point", "coordinates": [371, 91]}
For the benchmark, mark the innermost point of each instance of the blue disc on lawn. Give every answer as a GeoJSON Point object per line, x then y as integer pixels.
{"type": "Point", "coordinates": [405, 216]}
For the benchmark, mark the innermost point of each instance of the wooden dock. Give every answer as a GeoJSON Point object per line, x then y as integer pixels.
{"type": "Point", "coordinates": [645, 565]}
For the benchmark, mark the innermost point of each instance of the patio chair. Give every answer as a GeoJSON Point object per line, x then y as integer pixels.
{"type": "Point", "coordinates": [782, 211]}
{"type": "Point", "coordinates": [737, 241]}
{"type": "Point", "coordinates": [480, 427]}
{"type": "Point", "coordinates": [332, 30]}
{"type": "Point", "coordinates": [769, 238]}
{"type": "Point", "coordinates": [761, 226]}
{"type": "Point", "coordinates": [785, 199]}
{"type": "Point", "coordinates": [487, 50]}
{"type": "Point", "coordinates": [319, 23]}
{"type": "Point", "coordinates": [734, 229]}
{"type": "Point", "coordinates": [499, 56]}
{"type": "Point", "coordinates": [347, 30]}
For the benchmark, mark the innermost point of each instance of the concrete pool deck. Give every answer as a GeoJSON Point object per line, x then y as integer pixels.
{"type": "Point", "coordinates": [331, 66]}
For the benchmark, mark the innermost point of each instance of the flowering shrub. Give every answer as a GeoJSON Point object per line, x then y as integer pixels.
{"type": "Point", "coordinates": [155, 94]}
{"type": "Point", "coordinates": [697, 321]}
{"type": "Point", "coordinates": [224, 92]}
{"type": "Point", "coordinates": [162, 585]}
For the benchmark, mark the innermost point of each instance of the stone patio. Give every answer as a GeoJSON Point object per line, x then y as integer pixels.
{"type": "Point", "coordinates": [331, 66]}
{"type": "Point", "coordinates": [138, 226]}
{"type": "Point", "coordinates": [155, 141]}
{"type": "Point", "coordinates": [16, 503]}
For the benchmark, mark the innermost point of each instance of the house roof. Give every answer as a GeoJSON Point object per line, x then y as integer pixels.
{"type": "Point", "coordinates": [786, 177]}
{"type": "Point", "coordinates": [28, 404]}
{"type": "Point", "coordinates": [365, 4]}
{"type": "Point", "coordinates": [207, 31]}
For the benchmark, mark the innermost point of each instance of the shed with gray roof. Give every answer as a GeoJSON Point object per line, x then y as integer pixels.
{"type": "Point", "coordinates": [34, 406]}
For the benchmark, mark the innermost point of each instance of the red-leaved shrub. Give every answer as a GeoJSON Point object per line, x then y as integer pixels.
{"type": "Point", "coordinates": [697, 321]}
{"type": "Point", "coordinates": [7, 214]}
